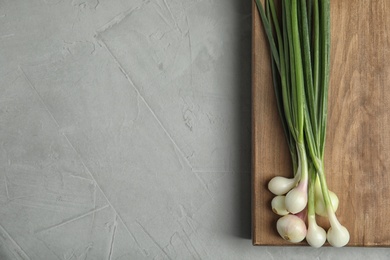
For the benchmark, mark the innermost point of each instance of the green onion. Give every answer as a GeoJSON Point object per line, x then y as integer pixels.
{"type": "Point", "coordinates": [299, 41]}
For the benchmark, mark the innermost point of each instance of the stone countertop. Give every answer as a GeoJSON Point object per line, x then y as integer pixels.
{"type": "Point", "coordinates": [125, 132]}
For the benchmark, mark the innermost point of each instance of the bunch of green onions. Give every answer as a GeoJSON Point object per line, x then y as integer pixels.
{"type": "Point", "coordinates": [299, 40]}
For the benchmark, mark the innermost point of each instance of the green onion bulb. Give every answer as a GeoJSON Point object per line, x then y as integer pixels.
{"type": "Point", "coordinates": [281, 185]}
{"type": "Point", "coordinates": [296, 199]}
{"type": "Point", "coordinates": [278, 205]}
{"type": "Point", "coordinates": [291, 228]}
{"type": "Point", "coordinates": [338, 235]}
{"type": "Point", "coordinates": [320, 204]}
{"type": "Point", "coordinates": [316, 235]}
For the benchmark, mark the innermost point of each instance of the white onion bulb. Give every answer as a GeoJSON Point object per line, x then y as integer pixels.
{"type": "Point", "coordinates": [316, 235]}
{"type": "Point", "coordinates": [320, 203]}
{"type": "Point", "coordinates": [338, 235]}
{"type": "Point", "coordinates": [278, 205]}
{"type": "Point", "coordinates": [296, 200]}
{"type": "Point", "coordinates": [291, 228]}
{"type": "Point", "coordinates": [281, 185]}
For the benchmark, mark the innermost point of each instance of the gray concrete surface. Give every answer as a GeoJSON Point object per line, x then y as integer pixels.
{"type": "Point", "coordinates": [125, 132]}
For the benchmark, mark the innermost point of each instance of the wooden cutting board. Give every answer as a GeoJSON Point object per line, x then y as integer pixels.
{"type": "Point", "coordinates": [358, 136]}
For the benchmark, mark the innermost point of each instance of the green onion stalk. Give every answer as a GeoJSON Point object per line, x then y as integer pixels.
{"type": "Point", "coordinates": [299, 41]}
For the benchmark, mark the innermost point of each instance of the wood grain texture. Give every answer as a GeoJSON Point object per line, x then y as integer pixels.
{"type": "Point", "coordinates": [357, 157]}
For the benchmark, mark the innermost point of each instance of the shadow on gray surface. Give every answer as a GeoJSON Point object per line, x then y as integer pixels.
{"type": "Point", "coordinates": [243, 60]}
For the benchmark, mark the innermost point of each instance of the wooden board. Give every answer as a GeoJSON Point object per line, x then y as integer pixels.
{"type": "Point", "coordinates": [358, 137]}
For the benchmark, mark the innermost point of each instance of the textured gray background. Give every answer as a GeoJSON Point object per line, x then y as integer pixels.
{"type": "Point", "coordinates": [125, 132]}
